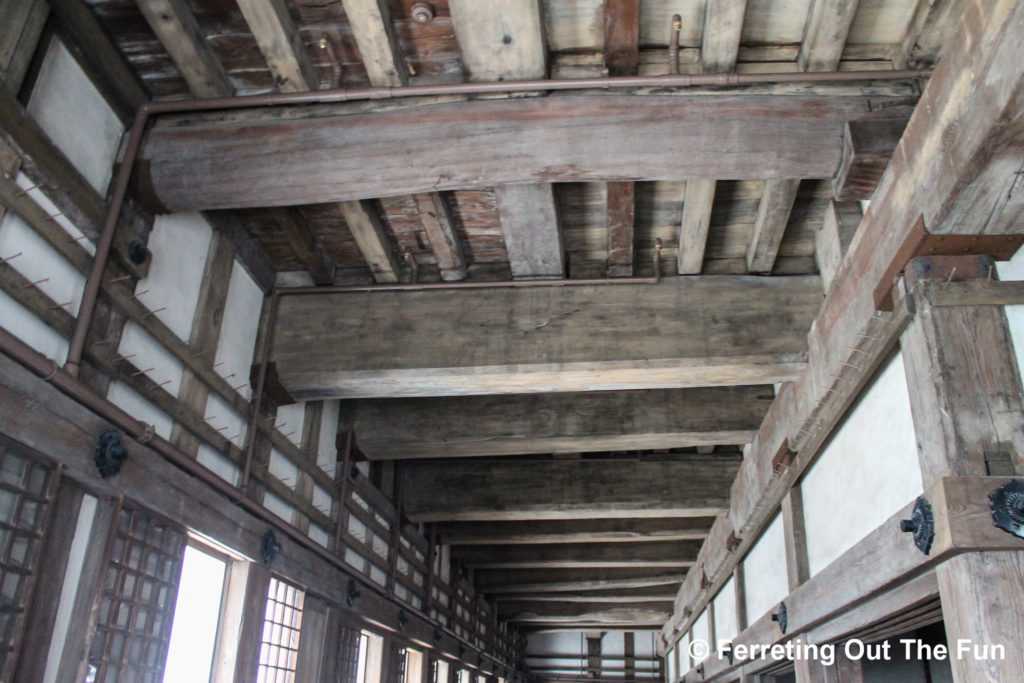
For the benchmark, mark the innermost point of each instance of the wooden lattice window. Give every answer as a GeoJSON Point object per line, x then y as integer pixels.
{"type": "Point", "coordinates": [279, 646]}
{"type": "Point", "coordinates": [27, 488]}
{"type": "Point", "coordinates": [133, 626]}
{"type": "Point", "coordinates": [347, 654]}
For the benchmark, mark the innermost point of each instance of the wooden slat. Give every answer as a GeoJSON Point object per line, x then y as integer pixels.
{"type": "Point", "coordinates": [529, 220]}
{"type": "Point", "coordinates": [928, 32]}
{"type": "Point", "coordinates": [621, 36]}
{"type": "Point", "coordinates": [176, 27]}
{"type": "Point", "coordinates": [574, 531]}
{"type": "Point", "coordinates": [723, 26]}
{"type": "Point", "coordinates": [770, 226]}
{"type": "Point", "coordinates": [459, 145]}
{"type": "Point", "coordinates": [667, 554]}
{"type": "Point", "coordinates": [833, 240]}
{"type": "Point", "coordinates": [84, 35]}
{"type": "Point", "coordinates": [378, 43]}
{"type": "Point", "coordinates": [305, 243]}
{"type": "Point", "coordinates": [444, 240]}
{"type": "Point", "coordinates": [364, 222]}
{"type": "Point", "coordinates": [19, 35]}
{"type": "Point", "coordinates": [500, 41]}
{"type": "Point", "coordinates": [621, 212]}
{"type": "Point", "coordinates": [825, 35]}
{"type": "Point", "coordinates": [693, 233]}
{"type": "Point", "coordinates": [704, 331]}
{"type": "Point", "coordinates": [390, 429]}
{"type": "Point", "coordinates": [687, 486]}
{"type": "Point", "coordinates": [279, 41]}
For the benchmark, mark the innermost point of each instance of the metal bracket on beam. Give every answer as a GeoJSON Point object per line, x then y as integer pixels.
{"type": "Point", "coordinates": [1007, 504]}
{"type": "Point", "coordinates": [921, 525]}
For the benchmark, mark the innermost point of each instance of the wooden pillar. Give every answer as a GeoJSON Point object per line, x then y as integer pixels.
{"type": "Point", "coordinates": [797, 564]}
{"type": "Point", "coordinates": [968, 408]}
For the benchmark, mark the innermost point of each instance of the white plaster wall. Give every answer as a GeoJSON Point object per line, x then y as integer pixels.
{"type": "Point", "coordinates": [702, 632]}
{"type": "Point", "coordinates": [555, 643]}
{"type": "Point", "coordinates": [218, 464]}
{"type": "Point", "coordinates": [179, 243]}
{"type": "Point", "coordinates": [138, 407]}
{"type": "Point", "coordinates": [327, 451]}
{"type": "Point", "coordinates": [44, 203]}
{"type": "Point", "coordinates": [68, 107]}
{"type": "Point", "coordinates": [867, 472]}
{"type": "Point", "coordinates": [684, 654]}
{"type": "Point", "coordinates": [672, 657]}
{"type": "Point", "coordinates": [24, 325]}
{"type": "Point", "coordinates": [278, 506]}
{"type": "Point", "coordinates": [764, 569]}
{"type": "Point", "coordinates": [319, 535]}
{"type": "Point", "coordinates": [1014, 270]}
{"type": "Point", "coordinates": [146, 353]}
{"type": "Point", "coordinates": [40, 263]}
{"type": "Point", "coordinates": [290, 421]}
{"type": "Point", "coordinates": [726, 626]}
{"type": "Point", "coordinates": [283, 468]}
{"type": "Point", "coordinates": [238, 332]}
{"type": "Point", "coordinates": [322, 500]}
{"type": "Point", "coordinates": [222, 417]}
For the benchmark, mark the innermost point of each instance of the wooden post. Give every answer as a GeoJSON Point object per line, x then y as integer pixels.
{"type": "Point", "coordinates": [796, 537]}
{"type": "Point", "coordinates": [968, 408]}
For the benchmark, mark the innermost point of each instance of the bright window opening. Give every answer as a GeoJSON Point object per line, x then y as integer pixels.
{"type": "Point", "coordinates": [196, 612]}
{"type": "Point", "coordinates": [279, 646]}
{"type": "Point", "coordinates": [440, 671]}
{"type": "Point", "coordinates": [413, 666]}
{"type": "Point", "coordinates": [371, 655]}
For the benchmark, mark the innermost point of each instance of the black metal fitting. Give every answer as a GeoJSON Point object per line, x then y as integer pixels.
{"type": "Point", "coordinates": [137, 252]}
{"type": "Point", "coordinates": [1007, 504]}
{"type": "Point", "coordinates": [351, 592]}
{"type": "Point", "coordinates": [921, 524]}
{"type": "Point", "coordinates": [269, 546]}
{"type": "Point", "coordinates": [782, 617]}
{"type": "Point", "coordinates": [109, 453]}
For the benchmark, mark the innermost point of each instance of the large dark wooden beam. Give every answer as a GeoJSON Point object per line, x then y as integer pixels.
{"type": "Point", "coordinates": [618, 595]}
{"type": "Point", "coordinates": [529, 220]}
{"type": "Point", "coordinates": [389, 429]}
{"type": "Point", "coordinates": [214, 161]}
{"type": "Point", "coordinates": [681, 332]}
{"type": "Point", "coordinates": [669, 554]}
{"type": "Point", "coordinates": [585, 614]}
{"type": "Point", "coordinates": [508, 490]}
{"type": "Point", "coordinates": [621, 36]}
{"type": "Point", "coordinates": [538, 581]}
{"type": "Point", "coordinates": [574, 531]}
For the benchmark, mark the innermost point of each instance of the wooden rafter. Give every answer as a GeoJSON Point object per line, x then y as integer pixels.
{"type": "Point", "coordinates": [173, 22]}
{"type": "Point", "coordinates": [281, 45]}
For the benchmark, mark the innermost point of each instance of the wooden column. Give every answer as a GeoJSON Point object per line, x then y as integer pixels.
{"type": "Point", "coordinates": [796, 537]}
{"type": "Point", "coordinates": [968, 408]}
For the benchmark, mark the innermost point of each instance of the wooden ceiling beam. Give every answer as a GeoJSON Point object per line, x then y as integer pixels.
{"type": "Point", "coordinates": [666, 554]}
{"type": "Point", "coordinates": [707, 331]}
{"type": "Point", "coordinates": [621, 217]}
{"type": "Point", "coordinates": [693, 233]}
{"type": "Point", "coordinates": [511, 490]}
{"type": "Point", "coordinates": [207, 161]}
{"type": "Point", "coordinates": [828, 25]}
{"type": "Point", "coordinates": [279, 40]}
{"type": "Point", "coordinates": [174, 24]}
{"type": "Point", "coordinates": [467, 426]}
{"type": "Point", "coordinates": [364, 222]}
{"type": "Point", "coordinates": [500, 41]}
{"type": "Point", "coordinates": [444, 240]}
{"type": "Point", "coordinates": [770, 225]}
{"type": "Point", "coordinates": [928, 32]}
{"type": "Point", "coordinates": [529, 220]}
{"type": "Point", "coordinates": [833, 239]}
{"type": "Point", "coordinates": [305, 243]}
{"type": "Point", "coordinates": [723, 27]}
{"type": "Point", "coordinates": [536, 581]}
{"type": "Point", "coordinates": [616, 595]}
{"type": "Point", "coordinates": [621, 36]}
{"type": "Point", "coordinates": [377, 39]}
{"type": "Point", "coordinates": [574, 531]}
{"type": "Point", "coordinates": [22, 27]}
{"type": "Point", "coordinates": [867, 150]}
{"type": "Point", "coordinates": [585, 614]}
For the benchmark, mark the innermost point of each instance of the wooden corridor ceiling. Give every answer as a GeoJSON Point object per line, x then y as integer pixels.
{"type": "Point", "coordinates": [572, 504]}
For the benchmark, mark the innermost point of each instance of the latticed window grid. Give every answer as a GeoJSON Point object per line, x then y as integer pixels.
{"type": "Point", "coordinates": [137, 604]}
{"type": "Point", "coordinates": [27, 488]}
{"type": "Point", "coordinates": [279, 645]}
{"type": "Point", "coordinates": [348, 654]}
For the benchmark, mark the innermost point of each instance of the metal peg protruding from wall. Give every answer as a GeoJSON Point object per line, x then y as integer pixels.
{"type": "Point", "coordinates": [921, 525]}
{"type": "Point", "coordinates": [782, 617]}
{"type": "Point", "coordinates": [422, 13]}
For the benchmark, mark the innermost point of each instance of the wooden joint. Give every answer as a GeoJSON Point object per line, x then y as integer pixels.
{"type": "Point", "coordinates": [783, 458]}
{"type": "Point", "coordinates": [272, 385]}
{"type": "Point", "coordinates": [734, 541]}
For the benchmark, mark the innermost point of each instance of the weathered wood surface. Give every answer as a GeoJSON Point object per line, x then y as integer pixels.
{"type": "Point", "coordinates": [204, 164]}
{"type": "Point", "coordinates": [508, 490]}
{"type": "Point", "coordinates": [539, 581]}
{"type": "Point", "coordinates": [444, 240]}
{"type": "Point", "coordinates": [375, 34]}
{"type": "Point", "coordinates": [825, 35]}
{"type": "Point", "coordinates": [833, 240]}
{"type": "Point", "coordinates": [621, 36]}
{"type": "Point", "coordinates": [867, 149]}
{"type": "Point", "coordinates": [583, 614]}
{"type": "Point", "coordinates": [666, 554]}
{"type": "Point", "coordinates": [388, 429]}
{"type": "Point", "coordinates": [371, 236]}
{"type": "Point", "coordinates": [529, 220]}
{"type": "Point", "coordinates": [695, 332]}
{"type": "Point", "coordinates": [305, 243]}
{"type": "Point", "coordinates": [693, 233]}
{"type": "Point", "coordinates": [723, 27]}
{"type": "Point", "coordinates": [574, 531]}
{"type": "Point", "coordinates": [279, 41]}
{"type": "Point", "coordinates": [621, 217]}
{"type": "Point", "coordinates": [770, 226]}
{"type": "Point", "coordinates": [175, 25]}
{"type": "Point", "coordinates": [500, 41]}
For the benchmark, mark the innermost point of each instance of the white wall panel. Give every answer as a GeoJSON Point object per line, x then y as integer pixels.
{"type": "Point", "coordinates": [238, 331]}
{"type": "Point", "coordinates": [764, 568]}
{"type": "Point", "coordinates": [138, 407]}
{"type": "Point", "coordinates": [726, 626]}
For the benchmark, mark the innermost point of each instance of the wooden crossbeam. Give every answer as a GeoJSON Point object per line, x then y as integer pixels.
{"type": "Point", "coordinates": [390, 429]}
{"type": "Point", "coordinates": [693, 233]}
{"type": "Point", "coordinates": [585, 614]}
{"type": "Point", "coordinates": [833, 240]}
{"type": "Point", "coordinates": [541, 581]}
{"type": "Point", "coordinates": [621, 216]}
{"type": "Point", "coordinates": [867, 149]}
{"type": "Point", "coordinates": [365, 224]}
{"type": "Point", "coordinates": [708, 331]}
{"type": "Point", "coordinates": [666, 554]}
{"type": "Point", "coordinates": [621, 36]}
{"type": "Point", "coordinates": [828, 25]}
{"type": "Point", "coordinates": [20, 32]}
{"type": "Point", "coordinates": [483, 490]}
{"type": "Point", "coordinates": [176, 27]}
{"type": "Point", "coordinates": [500, 41]}
{"type": "Point", "coordinates": [723, 26]}
{"type": "Point", "coordinates": [279, 41]}
{"type": "Point", "coordinates": [770, 226]}
{"type": "Point", "coordinates": [377, 40]}
{"type": "Point", "coordinates": [196, 164]}
{"type": "Point", "coordinates": [305, 243]}
{"type": "Point", "coordinates": [444, 240]}
{"type": "Point", "coordinates": [529, 220]}
{"type": "Point", "coordinates": [574, 531]}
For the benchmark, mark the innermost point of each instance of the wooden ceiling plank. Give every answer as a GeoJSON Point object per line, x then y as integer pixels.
{"type": "Point", "coordinates": [574, 531]}
{"type": "Point", "coordinates": [621, 36]}
{"type": "Point", "coordinates": [506, 490]}
{"type": "Point", "coordinates": [372, 239]}
{"type": "Point", "coordinates": [693, 233]}
{"type": "Point", "coordinates": [619, 595]}
{"type": "Point", "coordinates": [281, 44]}
{"type": "Point", "coordinates": [194, 165]}
{"type": "Point", "coordinates": [828, 25]}
{"type": "Point", "coordinates": [667, 554]}
{"type": "Point", "coordinates": [723, 27]}
{"type": "Point", "coordinates": [500, 41]}
{"type": "Point", "coordinates": [529, 220]}
{"type": "Point", "coordinates": [305, 243]}
{"type": "Point", "coordinates": [444, 240]}
{"type": "Point", "coordinates": [468, 426]}
{"type": "Point", "coordinates": [539, 581]}
{"type": "Point", "coordinates": [621, 216]}
{"type": "Point", "coordinates": [378, 43]}
{"type": "Point", "coordinates": [770, 226]}
{"type": "Point", "coordinates": [174, 24]}
{"type": "Point", "coordinates": [706, 331]}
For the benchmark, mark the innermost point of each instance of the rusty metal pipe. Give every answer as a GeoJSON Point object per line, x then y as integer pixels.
{"type": "Point", "coordinates": [71, 386]}
{"type": "Point", "coordinates": [673, 45]}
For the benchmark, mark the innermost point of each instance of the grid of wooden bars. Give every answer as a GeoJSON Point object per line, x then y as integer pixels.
{"type": "Point", "coordinates": [279, 644]}
{"type": "Point", "coordinates": [133, 626]}
{"type": "Point", "coordinates": [27, 488]}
